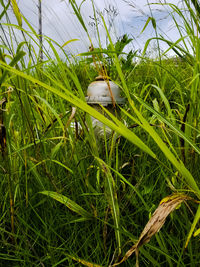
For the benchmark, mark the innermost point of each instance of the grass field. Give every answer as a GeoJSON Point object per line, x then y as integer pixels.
{"type": "Point", "coordinates": [69, 198]}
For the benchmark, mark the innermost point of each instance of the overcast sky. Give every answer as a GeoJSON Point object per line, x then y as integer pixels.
{"type": "Point", "coordinates": [122, 16]}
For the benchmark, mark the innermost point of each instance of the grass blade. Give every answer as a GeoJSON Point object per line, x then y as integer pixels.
{"type": "Point", "coordinates": [112, 200]}
{"type": "Point", "coordinates": [172, 126]}
{"type": "Point", "coordinates": [17, 12]}
{"type": "Point", "coordinates": [196, 220]}
{"type": "Point", "coordinates": [68, 203]}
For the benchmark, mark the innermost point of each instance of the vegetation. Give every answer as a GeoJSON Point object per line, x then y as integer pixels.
{"type": "Point", "coordinates": [69, 198]}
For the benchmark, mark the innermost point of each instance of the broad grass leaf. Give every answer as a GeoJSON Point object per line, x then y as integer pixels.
{"type": "Point", "coordinates": [68, 203]}
{"type": "Point", "coordinates": [166, 206]}
{"type": "Point", "coordinates": [17, 12]}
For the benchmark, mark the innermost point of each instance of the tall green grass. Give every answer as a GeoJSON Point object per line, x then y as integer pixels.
{"type": "Point", "coordinates": [68, 197]}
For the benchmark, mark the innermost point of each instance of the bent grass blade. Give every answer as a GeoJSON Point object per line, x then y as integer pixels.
{"type": "Point", "coordinates": [68, 203]}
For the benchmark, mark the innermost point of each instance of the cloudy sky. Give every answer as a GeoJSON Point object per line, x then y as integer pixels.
{"type": "Point", "coordinates": [121, 16]}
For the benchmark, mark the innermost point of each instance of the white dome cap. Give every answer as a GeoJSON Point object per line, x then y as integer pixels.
{"type": "Point", "coordinates": [98, 92]}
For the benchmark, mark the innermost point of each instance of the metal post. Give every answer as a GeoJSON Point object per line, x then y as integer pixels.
{"type": "Point", "coordinates": [40, 28]}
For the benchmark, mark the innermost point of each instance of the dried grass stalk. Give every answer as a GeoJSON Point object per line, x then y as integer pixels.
{"type": "Point", "coordinates": [167, 205]}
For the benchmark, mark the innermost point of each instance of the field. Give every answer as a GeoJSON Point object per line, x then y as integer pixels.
{"type": "Point", "coordinates": [71, 198]}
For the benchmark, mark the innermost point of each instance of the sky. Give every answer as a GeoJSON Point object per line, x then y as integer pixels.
{"type": "Point", "coordinates": [121, 16]}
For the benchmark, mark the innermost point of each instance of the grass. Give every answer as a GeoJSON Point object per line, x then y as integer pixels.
{"type": "Point", "coordinates": [70, 199]}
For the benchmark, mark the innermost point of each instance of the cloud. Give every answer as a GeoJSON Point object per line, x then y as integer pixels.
{"type": "Point", "coordinates": [61, 24]}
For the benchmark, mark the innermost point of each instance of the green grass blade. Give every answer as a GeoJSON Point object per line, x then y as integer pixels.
{"type": "Point", "coordinates": [189, 179]}
{"type": "Point", "coordinates": [146, 24]}
{"type": "Point", "coordinates": [68, 203]}
{"type": "Point", "coordinates": [5, 10]}
{"type": "Point", "coordinates": [70, 41]}
{"type": "Point", "coordinates": [17, 12]}
{"type": "Point", "coordinates": [13, 62]}
{"type": "Point", "coordinates": [111, 194]}
{"type": "Point", "coordinates": [167, 122]}
{"type": "Point", "coordinates": [165, 100]}
{"type": "Point", "coordinates": [196, 220]}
